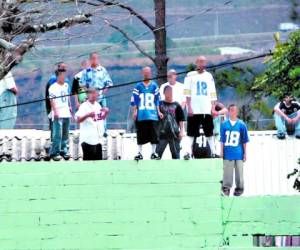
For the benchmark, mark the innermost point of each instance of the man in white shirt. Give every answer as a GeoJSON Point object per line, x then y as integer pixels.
{"type": "Point", "coordinates": [8, 93]}
{"type": "Point", "coordinates": [97, 77]}
{"type": "Point", "coordinates": [178, 88]}
{"type": "Point", "coordinates": [60, 115]}
{"type": "Point", "coordinates": [91, 115]}
{"type": "Point", "coordinates": [200, 92]}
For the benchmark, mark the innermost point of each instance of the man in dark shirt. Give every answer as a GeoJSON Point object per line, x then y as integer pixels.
{"type": "Point", "coordinates": [287, 117]}
{"type": "Point", "coordinates": [171, 126]}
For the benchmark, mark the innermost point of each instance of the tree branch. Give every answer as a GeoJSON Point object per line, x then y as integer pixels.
{"type": "Point", "coordinates": [67, 22]}
{"type": "Point", "coordinates": [13, 58]}
{"type": "Point", "coordinates": [6, 45]}
{"type": "Point", "coordinates": [123, 6]}
{"type": "Point", "coordinates": [139, 48]}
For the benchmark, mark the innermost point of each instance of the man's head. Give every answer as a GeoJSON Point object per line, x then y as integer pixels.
{"type": "Point", "coordinates": [233, 111]}
{"type": "Point", "coordinates": [62, 66]}
{"type": "Point", "coordinates": [94, 59]}
{"type": "Point", "coordinates": [288, 98]}
{"type": "Point", "coordinates": [168, 92]}
{"type": "Point", "coordinates": [146, 73]}
{"type": "Point", "coordinates": [60, 75]}
{"type": "Point", "coordinates": [172, 76]}
{"type": "Point", "coordinates": [201, 63]}
{"type": "Point", "coordinates": [92, 95]}
{"type": "Point", "coordinates": [85, 64]}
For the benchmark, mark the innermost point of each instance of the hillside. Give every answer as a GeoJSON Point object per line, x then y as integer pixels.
{"type": "Point", "coordinates": [241, 24]}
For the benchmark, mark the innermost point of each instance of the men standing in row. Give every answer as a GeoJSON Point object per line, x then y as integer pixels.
{"type": "Point", "coordinates": [146, 113]}
{"type": "Point", "coordinates": [200, 91]}
{"type": "Point", "coordinates": [62, 67]}
{"type": "Point", "coordinates": [177, 87]}
{"type": "Point", "coordinates": [90, 115]}
{"type": "Point", "coordinates": [97, 77]}
{"type": "Point", "coordinates": [8, 97]}
{"type": "Point", "coordinates": [60, 116]}
{"type": "Point", "coordinates": [79, 94]}
{"type": "Point", "coordinates": [171, 127]}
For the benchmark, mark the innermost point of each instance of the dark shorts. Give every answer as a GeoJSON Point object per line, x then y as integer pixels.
{"type": "Point", "coordinates": [147, 131]}
{"type": "Point", "coordinates": [91, 152]}
{"type": "Point", "coordinates": [194, 124]}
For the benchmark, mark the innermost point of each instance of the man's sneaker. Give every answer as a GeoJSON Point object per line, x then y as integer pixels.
{"type": "Point", "coordinates": [225, 191]}
{"type": "Point", "coordinates": [297, 136]}
{"type": "Point", "coordinates": [66, 156]}
{"type": "Point", "coordinates": [187, 156]}
{"type": "Point", "coordinates": [56, 157]}
{"type": "Point", "coordinates": [155, 156]}
{"type": "Point", "coordinates": [238, 192]}
{"type": "Point", "coordinates": [281, 136]}
{"type": "Point", "coordinates": [138, 157]}
{"type": "Point", "coordinates": [215, 156]}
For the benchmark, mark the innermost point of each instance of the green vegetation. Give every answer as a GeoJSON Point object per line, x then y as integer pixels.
{"type": "Point", "coordinates": [283, 69]}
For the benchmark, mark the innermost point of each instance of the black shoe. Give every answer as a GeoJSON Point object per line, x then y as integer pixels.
{"type": "Point", "coordinates": [66, 156]}
{"type": "Point", "coordinates": [187, 156]}
{"type": "Point", "coordinates": [215, 156]}
{"type": "Point", "coordinates": [155, 156]}
{"type": "Point", "coordinates": [281, 136]}
{"type": "Point", "coordinates": [138, 157]}
{"type": "Point", "coordinates": [297, 136]}
{"type": "Point", "coordinates": [56, 157]}
{"type": "Point", "coordinates": [238, 192]}
{"type": "Point", "coordinates": [225, 191]}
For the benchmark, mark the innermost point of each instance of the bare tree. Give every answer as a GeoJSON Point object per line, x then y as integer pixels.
{"type": "Point", "coordinates": [158, 30]}
{"type": "Point", "coordinates": [20, 26]}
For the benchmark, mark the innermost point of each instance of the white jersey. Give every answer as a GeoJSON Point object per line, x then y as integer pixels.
{"type": "Point", "coordinates": [61, 92]}
{"type": "Point", "coordinates": [91, 129]}
{"type": "Point", "coordinates": [7, 82]}
{"type": "Point", "coordinates": [178, 89]}
{"type": "Point", "coordinates": [200, 87]}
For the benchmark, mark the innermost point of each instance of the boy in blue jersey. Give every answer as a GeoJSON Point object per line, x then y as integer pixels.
{"type": "Point", "coordinates": [234, 138]}
{"type": "Point", "coordinates": [146, 113]}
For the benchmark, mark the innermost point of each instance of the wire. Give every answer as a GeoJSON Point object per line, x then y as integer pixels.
{"type": "Point", "coordinates": [220, 65]}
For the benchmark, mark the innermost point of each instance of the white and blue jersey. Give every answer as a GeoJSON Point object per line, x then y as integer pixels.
{"type": "Point", "coordinates": [146, 99]}
{"type": "Point", "coordinates": [233, 137]}
{"type": "Point", "coordinates": [97, 78]}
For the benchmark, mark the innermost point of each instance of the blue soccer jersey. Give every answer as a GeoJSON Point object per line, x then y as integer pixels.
{"type": "Point", "coordinates": [146, 99]}
{"type": "Point", "coordinates": [233, 137]}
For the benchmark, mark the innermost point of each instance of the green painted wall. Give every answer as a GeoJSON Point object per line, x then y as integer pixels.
{"type": "Point", "coordinates": [128, 205]}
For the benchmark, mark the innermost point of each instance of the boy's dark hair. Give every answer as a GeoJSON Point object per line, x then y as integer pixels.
{"type": "Point", "coordinates": [286, 95]}
{"type": "Point", "coordinates": [231, 106]}
{"type": "Point", "coordinates": [167, 88]}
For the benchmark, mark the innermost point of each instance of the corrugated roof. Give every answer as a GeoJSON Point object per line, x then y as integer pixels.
{"type": "Point", "coordinates": [34, 145]}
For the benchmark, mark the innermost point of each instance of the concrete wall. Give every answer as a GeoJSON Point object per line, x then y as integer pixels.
{"type": "Point", "coordinates": [128, 205]}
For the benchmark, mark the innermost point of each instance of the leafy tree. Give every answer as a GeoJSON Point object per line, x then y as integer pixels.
{"type": "Point", "coordinates": [282, 74]}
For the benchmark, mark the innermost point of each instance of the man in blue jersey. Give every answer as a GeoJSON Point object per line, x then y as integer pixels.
{"type": "Point", "coordinates": [234, 138]}
{"type": "Point", "coordinates": [146, 113]}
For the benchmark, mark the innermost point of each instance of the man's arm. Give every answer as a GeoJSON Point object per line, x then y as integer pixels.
{"type": "Point", "coordinates": [134, 112]}
{"type": "Point", "coordinates": [245, 151]}
{"type": "Point", "coordinates": [222, 150]}
{"type": "Point", "coordinates": [181, 132]}
{"type": "Point", "coordinates": [53, 108]}
{"type": "Point", "coordinates": [81, 119]}
{"type": "Point", "coordinates": [282, 114]}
